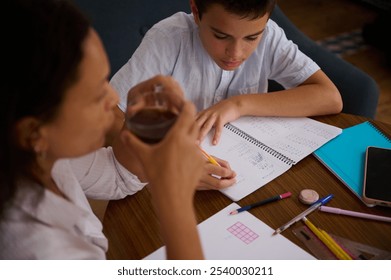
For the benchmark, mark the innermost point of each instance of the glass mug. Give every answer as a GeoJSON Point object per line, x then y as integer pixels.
{"type": "Point", "coordinates": [150, 115]}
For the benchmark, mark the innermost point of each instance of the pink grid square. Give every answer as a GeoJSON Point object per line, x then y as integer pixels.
{"type": "Point", "coordinates": [242, 232]}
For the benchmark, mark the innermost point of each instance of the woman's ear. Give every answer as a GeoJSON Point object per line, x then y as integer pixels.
{"type": "Point", "coordinates": [194, 11]}
{"type": "Point", "coordinates": [28, 134]}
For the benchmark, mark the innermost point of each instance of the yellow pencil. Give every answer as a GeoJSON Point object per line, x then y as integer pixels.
{"type": "Point", "coordinates": [346, 256]}
{"type": "Point", "coordinates": [328, 241]}
{"type": "Point", "coordinates": [209, 157]}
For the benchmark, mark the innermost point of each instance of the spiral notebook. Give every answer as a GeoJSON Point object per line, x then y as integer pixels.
{"type": "Point", "coordinates": [259, 149]}
{"type": "Point", "coordinates": [345, 155]}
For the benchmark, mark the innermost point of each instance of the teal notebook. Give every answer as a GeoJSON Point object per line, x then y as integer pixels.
{"type": "Point", "coordinates": [345, 154]}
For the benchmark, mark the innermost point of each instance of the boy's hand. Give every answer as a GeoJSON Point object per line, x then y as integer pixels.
{"type": "Point", "coordinates": [217, 116]}
{"type": "Point", "coordinates": [217, 177]}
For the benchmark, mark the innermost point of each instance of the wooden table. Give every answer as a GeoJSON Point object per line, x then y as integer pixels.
{"type": "Point", "coordinates": [132, 228]}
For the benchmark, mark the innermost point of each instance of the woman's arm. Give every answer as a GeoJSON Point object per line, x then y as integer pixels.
{"type": "Point", "coordinates": [174, 167]}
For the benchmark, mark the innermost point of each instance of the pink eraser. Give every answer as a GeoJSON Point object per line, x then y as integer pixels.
{"type": "Point", "coordinates": [285, 195]}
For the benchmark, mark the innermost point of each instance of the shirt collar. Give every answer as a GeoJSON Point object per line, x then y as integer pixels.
{"type": "Point", "coordinates": [36, 201]}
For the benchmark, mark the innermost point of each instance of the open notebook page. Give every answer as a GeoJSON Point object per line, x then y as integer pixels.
{"type": "Point", "coordinates": [241, 237]}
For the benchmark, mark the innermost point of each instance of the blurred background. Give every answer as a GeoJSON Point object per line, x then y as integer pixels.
{"type": "Point", "coordinates": [357, 30]}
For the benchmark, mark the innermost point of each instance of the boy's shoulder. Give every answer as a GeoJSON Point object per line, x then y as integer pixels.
{"type": "Point", "coordinates": [273, 32]}
{"type": "Point", "coordinates": [178, 27]}
{"type": "Point", "coordinates": [272, 26]}
{"type": "Point", "coordinates": [179, 21]}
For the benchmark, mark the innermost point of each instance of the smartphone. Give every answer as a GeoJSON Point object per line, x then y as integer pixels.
{"type": "Point", "coordinates": [377, 176]}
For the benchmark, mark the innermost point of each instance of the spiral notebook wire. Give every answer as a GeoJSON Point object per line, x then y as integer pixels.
{"type": "Point", "coordinates": [259, 144]}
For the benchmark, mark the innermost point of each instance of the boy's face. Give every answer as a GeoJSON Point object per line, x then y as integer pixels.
{"type": "Point", "coordinates": [228, 38]}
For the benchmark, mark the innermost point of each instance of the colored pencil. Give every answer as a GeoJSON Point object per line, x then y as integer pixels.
{"type": "Point", "coordinates": [262, 202]}
{"type": "Point", "coordinates": [327, 241]}
{"type": "Point", "coordinates": [209, 157]}
{"type": "Point", "coordinates": [354, 214]}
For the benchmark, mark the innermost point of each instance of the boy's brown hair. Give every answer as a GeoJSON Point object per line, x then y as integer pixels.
{"type": "Point", "coordinates": [252, 9]}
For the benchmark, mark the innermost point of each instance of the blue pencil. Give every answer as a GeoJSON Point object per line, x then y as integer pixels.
{"type": "Point", "coordinates": [262, 202]}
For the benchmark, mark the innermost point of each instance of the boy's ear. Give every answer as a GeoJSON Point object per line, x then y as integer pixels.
{"type": "Point", "coordinates": [194, 11]}
{"type": "Point", "coordinates": [27, 132]}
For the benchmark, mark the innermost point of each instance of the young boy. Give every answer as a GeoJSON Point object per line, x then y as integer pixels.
{"type": "Point", "coordinates": [223, 55]}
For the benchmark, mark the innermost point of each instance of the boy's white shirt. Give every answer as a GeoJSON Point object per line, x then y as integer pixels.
{"type": "Point", "coordinates": [173, 47]}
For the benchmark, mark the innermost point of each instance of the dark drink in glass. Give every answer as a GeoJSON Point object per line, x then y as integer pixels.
{"type": "Point", "coordinates": [151, 124]}
{"type": "Point", "coordinates": [150, 115]}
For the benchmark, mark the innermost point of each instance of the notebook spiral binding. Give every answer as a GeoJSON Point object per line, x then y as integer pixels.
{"type": "Point", "coordinates": [259, 144]}
{"type": "Point", "coordinates": [380, 131]}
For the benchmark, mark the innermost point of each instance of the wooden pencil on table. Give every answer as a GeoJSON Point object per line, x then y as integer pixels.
{"type": "Point", "coordinates": [327, 241]}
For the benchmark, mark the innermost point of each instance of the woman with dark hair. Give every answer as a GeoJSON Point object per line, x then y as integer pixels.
{"type": "Point", "coordinates": [57, 108]}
